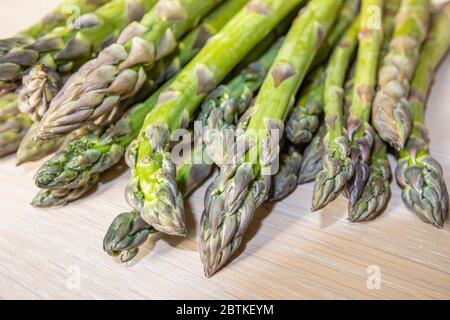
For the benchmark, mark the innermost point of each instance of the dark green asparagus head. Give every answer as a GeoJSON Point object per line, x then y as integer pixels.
{"type": "Point", "coordinates": [285, 181]}
{"type": "Point", "coordinates": [362, 138]}
{"type": "Point", "coordinates": [337, 171]}
{"type": "Point", "coordinates": [126, 234]}
{"type": "Point", "coordinates": [74, 166]}
{"type": "Point", "coordinates": [304, 120]}
{"type": "Point", "coordinates": [62, 197]}
{"type": "Point", "coordinates": [423, 187]}
{"type": "Point", "coordinates": [312, 158]}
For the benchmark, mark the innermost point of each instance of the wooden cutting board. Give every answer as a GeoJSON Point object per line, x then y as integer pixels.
{"type": "Point", "coordinates": [288, 253]}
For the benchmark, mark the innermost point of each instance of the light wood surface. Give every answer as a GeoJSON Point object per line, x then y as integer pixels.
{"type": "Point", "coordinates": [290, 253]}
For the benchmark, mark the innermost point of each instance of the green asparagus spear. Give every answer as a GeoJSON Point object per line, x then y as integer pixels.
{"type": "Point", "coordinates": [347, 14]}
{"type": "Point", "coordinates": [419, 175]}
{"type": "Point", "coordinates": [120, 69]}
{"type": "Point", "coordinates": [304, 121]}
{"type": "Point", "coordinates": [153, 186]}
{"type": "Point", "coordinates": [391, 115]}
{"type": "Point", "coordinates": [60, 197]}
{"type": "Point", "coordinates": [56, 18]}
{"type": "Point", "coordinates": [125, 235]}
{"type": "Point", "coordinates": [192, 43]}
{"type": "Point", "coordinates": [358, 126]}
{"type": "Point", "coordinates": [244, 185]}
{"type": "Point", "coordinates": [377, 190]}
{"type": "Point", "coordinates": [337, 167]}
{"type": "Point", "coordinates": [227, 103]}
{"type": "Point", "coordinates": [312, 158]}
{"type": "Point", "coordinates": [286, 180]}
{"type": "Point", "coordinates": [62, 51]}
{"type": "Point", "coordinates": [18, 53]}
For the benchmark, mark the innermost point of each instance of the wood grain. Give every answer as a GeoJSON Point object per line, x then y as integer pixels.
{"type": "Point", "coordinates": [290, 253]}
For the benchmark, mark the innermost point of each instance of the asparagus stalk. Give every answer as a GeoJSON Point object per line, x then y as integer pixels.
{"type": "Point", "coordinates": [192, 43]}
{"type": "Point", "coordinates": [377, 191]}
{"type": "Point", "coordinates": [312, 158]}
{"type": "Point", "coordinates": [337, 167]}
{"type": "Point", "coordinates": [120, 69]}
{"type": "Point", "coordinates": [391, 115]}
{"type": "Point", "coordinates": [243, 186]}
{"type": "Point", "coordinates": [419, 175]}
{"type": "Point", "coordinates": [52, 174]}
{"type": "Point", "coordinates": [359, 129]}
{"type": "Point", "coordinates": [17, 53]}
{"type": "Point", "coordinates": [153, 190]}
{"type": "Point", "coordinates": [304, 121]}
{"type": "Point", "coordinates": [346, 17]}
{"type": "Point", "coordinates": [226, 104]}
{"type": "Point", "coordinates": [13, 124]}
{"type": "Point", "coordinates": [59, 16]}
{"type": "Point", "coordinates": [62, 51]}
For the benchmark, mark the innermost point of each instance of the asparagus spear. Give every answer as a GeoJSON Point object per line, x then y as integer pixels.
{"type": "Point", "coordinates": [286, 180]}
{"type": "Point", "coordinates": [57, 17]}
{"type": "Point", "coordinates": [377, 190]}
{"type": "Point", "coordinates": [346, 17]}
{"type": "Point", "coordinates": [359, 129]}
{"type": "Point", "coordinates": [120, 69]}
{"type": "Point", "coordinates": [304, 121]}
{"type": "Point", "coordinates": [243, 186]}
{"type": "Point", "coordinates": [222, 108]}
{"type": "Point", "coordinates": [63, 50]}
{"type": "Point", "coordinates": [419, 175]}
{"type": "Point", "coordinates": [13, 124]}
{"type": "Point", "coordinates": [53, 173]}
{"type": "Point", "coordinates": [60, 197]}
{"type": "Point", "coordinates": [126, 234]}
{"type": "Point", "coordinates": [337, 167]}
{"type": "Point", "coordinates": [312, 158]}
{"type": "Point", "coordinates": [391, 115]}
{"type": "Point", "coordinates": [153, 188]}
{"type": "Point", "coordinates": [16, 54]}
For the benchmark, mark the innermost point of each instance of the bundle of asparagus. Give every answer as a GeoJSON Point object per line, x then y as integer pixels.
{"type": "Point", "coordinates": [275, 111]}
{"type": "Point", "coordinates": [76, 165]}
